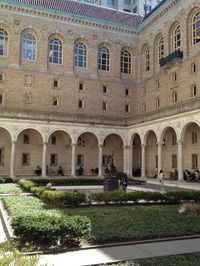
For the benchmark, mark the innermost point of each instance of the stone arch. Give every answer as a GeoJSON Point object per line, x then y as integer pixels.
{"type": "Point", "coordinates": [59, 152]}
{"type": "Point", "coordinates": [87, 152]}
{"type": "Point", "coordinates": [88, 131]}
{"type": "Point", "coordinates": [144, 140]}
{"type": "Point", "coordinates": [190, 138]}
{"type": "Point", "coordinates": [58, 129]}
{"type": "Point", "coordinates": [168, 140]}
{"type": "Point", "coordinates": [133, 136]}
{"type": "Point", "coordinates": [113, 146]}
{"type": "Point", "coordinates": [164, 131]}
{"type": "Point", "coordinates": [30, 128]}
{"type": "Point", "coordinates": [58, 35]}
{"type": "Point", "coordinates": [184, 127]}
{"type": "Point", "coordinates": [32, 30]}
{"type": "Point", "coordinates": [5, 150]}
{"type": "Point", "coordinates": [29, 150]}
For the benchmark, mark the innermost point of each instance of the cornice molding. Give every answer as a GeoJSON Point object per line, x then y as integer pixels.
{"type": "Point", "coordinates": [66, 18]}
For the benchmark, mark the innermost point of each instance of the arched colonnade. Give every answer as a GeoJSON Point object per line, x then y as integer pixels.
{"type": "Point", "coordinates": [138, 152]}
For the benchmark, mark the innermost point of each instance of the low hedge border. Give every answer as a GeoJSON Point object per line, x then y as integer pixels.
{"type": "Point", "coordinates": [61, 198]}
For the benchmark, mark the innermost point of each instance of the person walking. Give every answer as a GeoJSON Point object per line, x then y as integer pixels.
{"type": "Point", "coordinates": [161, 179]}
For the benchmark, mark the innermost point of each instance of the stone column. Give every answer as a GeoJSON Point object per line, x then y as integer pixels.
{"type": "Point", "coordinates": [44, 159]}
{"type": "Point", "coordinates": [180, 160]}
{"type": "Point", "coordinates": [128, 160]}
{"type": "Point", "coordinates": [12, 160]}
{"type": "Point", "coordinates": [100, 160]}
{"type": "Point", "coordinates": [159, 156]}
{"type": "Point", "coordinates": [73, 172]}
{"type": "Point", "coordinates": [143, 161]}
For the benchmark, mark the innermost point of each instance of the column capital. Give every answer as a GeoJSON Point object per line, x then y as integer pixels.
{"type": "Point", "coordinates": [100, 145]}
{"type": "Point", "coordinates": [45, 142]}
{"type": "Point", "coordinates": [128, 147]}
{"type": "Point", "coordinates": [143, 145]}
{"type": "Point", "coordinates": [180, 141]}
{"type": "Point", "coordinates": [74, 144]}
{"type": "Point", "coordinates": [14, 141]}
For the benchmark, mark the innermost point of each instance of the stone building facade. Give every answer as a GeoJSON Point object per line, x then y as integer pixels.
{"type": "Point", "coordinates": [77, 86]}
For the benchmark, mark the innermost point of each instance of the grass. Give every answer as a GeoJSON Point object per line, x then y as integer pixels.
{"type": "Point", "coordinates": [11, 188]}
{"type": "Point", "coordinates": [180, 260]}
{"type": "Point", "coordinates": [111, 224]}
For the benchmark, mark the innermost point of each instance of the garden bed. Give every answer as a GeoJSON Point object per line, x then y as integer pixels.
{"type": "Point", "coordinates": [127, 223]}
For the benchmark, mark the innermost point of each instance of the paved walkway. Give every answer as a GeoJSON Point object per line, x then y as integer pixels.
{"type": "Point", "coordinates": [122, 252]}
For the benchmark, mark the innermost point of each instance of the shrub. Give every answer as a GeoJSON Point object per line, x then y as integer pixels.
{"type": "Point", "coordinates": [27, 184]}
{"type": "Point", "coordinates": [60, 198]}
{"type": "Point", "coordinates": [48, 230]}
{"type": "Point", "coordinates": [5, 180]}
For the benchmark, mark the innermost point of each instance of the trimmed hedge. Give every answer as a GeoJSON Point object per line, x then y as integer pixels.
{"type": "Point", "coordinates": [26, 184]}
{"type": "Point", "coordinates": [79, 182]}
{"type": "Point", "coordinates": [61, 198]}
{"type": "Point", "coordinates": [118, 197]}
{"type": "Point", "coordinates": [50, 230]}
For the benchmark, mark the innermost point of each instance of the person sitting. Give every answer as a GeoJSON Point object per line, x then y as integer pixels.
{"type": "Point", "coordinates": [80, 170]}
{"type": "Point", "coordinates": [187, 175]}
{"type": "Point", "coordinates": [196, 175]}
{"type": "Point", "coordinates": [174, 175]}
{"type": "Point", "coordinates": [60, 171]}
{"type": "Point", "coordinates": [38, 170]}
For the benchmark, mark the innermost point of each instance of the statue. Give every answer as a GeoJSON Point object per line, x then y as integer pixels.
{"type": "Point", "coordinates": [110, 167]}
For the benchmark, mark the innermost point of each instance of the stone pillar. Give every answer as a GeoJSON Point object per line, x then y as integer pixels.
{"type": "Point", "coordinates": [100, 160]}
{"type": "Point", "coordinates": [128, 160]}
{"type": "Point", "coordinates": [143, 161]}
{"type": "Point", "coordinates": [159, 156]}
{"type": "Point", "coordinates": [180, 160]}
{"type": "Point", "coordinates": [44, 159]}
{"type": "Point", "coordinates": [12, 160]}
{"type": "Point", "coordinates": [73, 172]}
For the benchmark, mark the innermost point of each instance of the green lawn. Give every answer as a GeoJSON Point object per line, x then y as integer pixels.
{"type": "Point", "coordinates": [10, 188]}
{"type": "Point", "coordinates": [182, 260]}
{"type": "Point", "coordinates": [138, 222]}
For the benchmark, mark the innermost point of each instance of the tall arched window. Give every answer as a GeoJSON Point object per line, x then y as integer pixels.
{"type": "Point", "coordinates": [103, 58]}
{"type": "Point", "coordinates": [177, 37]}
{"type": "Point", "coordinates": [3, 42]}
{"type": "Point", "coordinates": [196, 28]}
{"type": "Point", "coordinates": [147, 58]}
{"type": "Point", "coordinates": [80, 54]}
{"type": "Point", "coordinates": [28, 46]}
{"type": "Point", "coordinates": [161, 51]}
{"type": "Point", "coordinates": [125, 62]}
{"type": "Point", "coordinates": [55, 50]}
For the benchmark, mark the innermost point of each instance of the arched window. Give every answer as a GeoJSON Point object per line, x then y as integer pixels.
{"type": "Point", "coordinates": [161, 51]}
{"type": "Point", "coordinates": [147, 58]}
{"type": "Point", "coordinates": [103, 58]}
{"type": "Point", "coordinates": [3, 42]}
{"type": "Point", "coordinates": [177, 37]}
{"type": "Point", "coordinates": [196, 28]}
{"type": "Point", "coordinates": [28, 47]}
{"type": "Point", "coordinates": [55, 50]}
{"type": "Point", "coordinates": [125, 62]}
{"type": "Point", "coordinates": [80, 54]}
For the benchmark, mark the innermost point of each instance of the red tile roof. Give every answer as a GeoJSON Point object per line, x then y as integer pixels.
{"type": "Point", "coordinates": [85, 10]}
